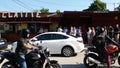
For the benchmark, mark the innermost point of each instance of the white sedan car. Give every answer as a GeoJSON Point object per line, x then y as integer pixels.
{"type": "Point", "coordinates": [60, 43]}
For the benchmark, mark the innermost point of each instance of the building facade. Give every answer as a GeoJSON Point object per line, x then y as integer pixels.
{"type": "Point", "coordinates": [95, 18]}
{"type": "Point", "coordinates": [11, 23]}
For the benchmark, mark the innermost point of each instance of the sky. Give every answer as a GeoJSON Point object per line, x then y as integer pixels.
{"type": "Point", "coordinates": [52, 5]}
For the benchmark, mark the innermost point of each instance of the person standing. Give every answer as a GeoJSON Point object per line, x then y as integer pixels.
{"type": "Point", "coordinates": [71, 30]}
{"type": "Point", "coordinates": [110, 32]}
{"type": "Point", "coordinates": [40, 30]}
{"type": "Point", "coordinates": [79, 32]}
{"type": "Point", "coordinates": [116, 33]}
{"type": "Point", "coordinates": [60, 29]}
{"type": "Point", "coordinates": [74, 31]}
{"type": "Point", "coordinates": [92, 33]}
{"type": "Point", "coordinates": [65, 30]}
{"type": "Point", "coordinates": [89, 33]}
{"type": "Point", "coordinates": [84, 34]}
{"type": "Point", "coordinates": [105, 29]}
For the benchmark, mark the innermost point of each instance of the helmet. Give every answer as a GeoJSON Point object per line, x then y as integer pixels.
{"type": "Point", "coordinates": [25, 32]}
{"type": "Point", "coordinates": [99, 30]}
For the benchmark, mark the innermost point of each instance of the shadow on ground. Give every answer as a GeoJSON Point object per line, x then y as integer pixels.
{"type": "Point", "coordinates": [83, 66]}
{"type": "Point", "coordinates": [73, 66]}
{"type": "Point", "coordinates": [59, 55]}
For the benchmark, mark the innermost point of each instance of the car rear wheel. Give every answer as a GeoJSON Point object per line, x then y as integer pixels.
{"type": "Point", "coordinates": [67, 51]}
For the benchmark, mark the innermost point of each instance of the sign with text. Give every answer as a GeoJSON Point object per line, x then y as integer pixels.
{"type": "Point", "coordinates": [20, 15]}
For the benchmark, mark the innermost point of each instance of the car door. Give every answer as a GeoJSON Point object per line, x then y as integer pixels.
{"type": "Point", "coordinates": [57, 43]}
{"type": "Point", "coordinates": [47, 42]}
{"type": "Point", "coordinates": [44, 39]}
{"type": "Point", "coordinates": [53, 41]}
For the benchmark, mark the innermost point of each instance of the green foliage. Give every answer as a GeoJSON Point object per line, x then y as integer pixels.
{"type": "Point", "coordinates": [57, 11]}
{"type": "Point", "coordinates": [97, 5]}
{"type": "Point", "coordinates": [43, 10]}
{"type": "Point", "coordinates": [118, 8]}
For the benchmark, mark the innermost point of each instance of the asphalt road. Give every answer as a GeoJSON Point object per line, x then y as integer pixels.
{"type": "Point", "coordinates": [73, 62]}
{"type": "Point", "coordinates": [76, 61]}
{"type": "Point", "coordinates": [67, 62]}
{"type": "Point", "coordinates": [70, 62]}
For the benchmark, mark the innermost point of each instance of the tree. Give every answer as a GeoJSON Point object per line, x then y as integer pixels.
{"type": "Point", "coordinates": [43, 10]}
{"type": "Point", "coordinates": [97, 5]}
{"type": "Point", "coordinates": [57, 11]}
{"type": "Point", "coordinates": [117, 8]}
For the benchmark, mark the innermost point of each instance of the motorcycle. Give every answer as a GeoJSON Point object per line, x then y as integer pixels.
{"type": "Point", "coordinates": [37, 58]}
{"type": "Point", "coordinates": [93, 57]}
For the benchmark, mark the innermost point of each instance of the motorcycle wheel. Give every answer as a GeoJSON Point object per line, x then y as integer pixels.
{"type": "Point", "coordinates": [88, 63]}
{"type": "Point", "coordinates": [119, 60]}
{"type": "Point", "coordinates": [8, 65]}
{"type": "Point", "coordinates": [53, 65]}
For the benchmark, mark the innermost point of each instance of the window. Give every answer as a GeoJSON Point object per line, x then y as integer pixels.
{"type": "Point", "coordinates": [58, 36]}
{"type": "Point", "coordinates": [44, 37]}
{"type": "Point", "coordinates": [1, 27]}
{"type": "Point", "coordinates": [51, 37]}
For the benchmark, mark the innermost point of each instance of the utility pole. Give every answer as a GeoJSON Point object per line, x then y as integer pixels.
{"type": "Point", "coordinates": [114, 6]}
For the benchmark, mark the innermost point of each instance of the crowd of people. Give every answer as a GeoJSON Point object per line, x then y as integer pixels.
{"type": "Point", "coordinates": [88, 33]}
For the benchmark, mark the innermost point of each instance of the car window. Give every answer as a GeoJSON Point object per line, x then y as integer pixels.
{"type": "Point", "coordinates": [58, 36]}
{"type": "Point", "coordinates": [44, 37]}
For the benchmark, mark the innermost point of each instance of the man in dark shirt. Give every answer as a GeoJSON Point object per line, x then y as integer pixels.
{"type": "Point", "coordinates": [22, 46]}
{"type": "Point", "coordinates": [99, 41]}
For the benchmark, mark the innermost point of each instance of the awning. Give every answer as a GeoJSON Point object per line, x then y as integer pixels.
{"type": "Point", "coordinates": [20, 22]}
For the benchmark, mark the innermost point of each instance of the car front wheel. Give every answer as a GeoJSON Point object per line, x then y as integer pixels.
{"type": "Point", "coordinates": [67, 51]}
